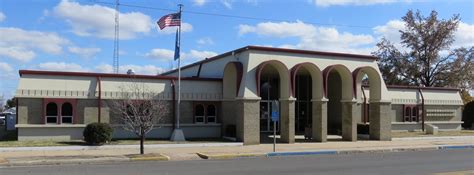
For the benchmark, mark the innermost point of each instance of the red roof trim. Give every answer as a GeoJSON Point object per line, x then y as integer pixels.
{"type": "Point", "coordinates": [272, 49]}
{"type": "Point", "coordinates": [426, 88]}
{"type": "Point", "coordinates": [92, 74]}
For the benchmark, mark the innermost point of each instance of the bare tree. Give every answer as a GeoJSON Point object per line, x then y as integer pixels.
{"type": "Point", "coordinates": [139, 109]}
{"type": "Point", "coordinates": [427, 58]}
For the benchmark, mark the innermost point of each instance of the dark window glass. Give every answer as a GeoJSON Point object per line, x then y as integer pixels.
{"type": "Point", "coordinates": [211, 119]}
{"type": "Point", "coordinates": [51, 120]}
{"type": "Point", "coordinates": [211, 110]}
{"type": "Point", "coordinates": [66, 109]}
{"type": "Point", "coordinates": [407, 111]}
{"type": "Point", "coordinates": [67, 120]}
{"type": "Point", "coordinates": [199, 110]}
{"type": "Point", "coordinates": [199, 119]}
{"type": "Point", "coordinates": [51, 109]}
{"type": "Point", "coordinates": [415, 111]}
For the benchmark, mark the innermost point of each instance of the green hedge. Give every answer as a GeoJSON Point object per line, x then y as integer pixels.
{"type": "Point", "coordinates": [97, 133]}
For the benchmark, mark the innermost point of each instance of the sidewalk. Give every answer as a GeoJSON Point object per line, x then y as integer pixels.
{"type": "Point", "coordinates": [35, 156]}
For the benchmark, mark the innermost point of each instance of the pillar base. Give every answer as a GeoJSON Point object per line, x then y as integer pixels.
{"type": "Point", "coordinates": [349, 121]}
{"type": "Point", "coordinates": [319, 120]}
{"type": "Point", "coordinates": [380, 126]}
{"type": "Point", "coordinates": [177, 136]}
{"type": "Point", "coordinates": [287, 120]}
{"type": "Point", "coordinates": [248, 120]}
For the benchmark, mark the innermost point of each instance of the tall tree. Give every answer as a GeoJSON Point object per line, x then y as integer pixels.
{"type": "Point", "coordinates": [426, 58]}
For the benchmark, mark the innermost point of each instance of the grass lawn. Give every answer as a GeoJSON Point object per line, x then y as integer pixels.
{"type": "Point", "coordinates": [440, 133]}
{"type": "Point", "coordinates": [114, 142]}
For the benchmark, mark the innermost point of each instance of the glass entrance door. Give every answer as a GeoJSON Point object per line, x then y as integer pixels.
{"type": "Point", "coordinates": [303, 117]}
{"type": "Point", "coordinates": [266, 123]}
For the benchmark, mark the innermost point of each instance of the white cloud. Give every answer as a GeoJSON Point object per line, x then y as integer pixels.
{"type": "Point", "coordinates": [227, 3]}
{"type": "Point", "coordinates": [98, 21]}
{"type": "Point", "coordinates": [145, 69]}
{"type": "Point", "coordinates": [168, 55]}
{"type": "Point", "coordinates": [199, 55]}
{"type": "Point", "coordinates": [199, 2]}
{"type": "Point", "coordinates": [5, 67]}
{"type": "Point", "coordinates": [2, 17]}
{"type": "Point", "coordinates": [84, 52]}
{"type": "Point", "coordinates": [205, 41]}
{"type": "Point", "coordinates": [185, 27]}
{"type": "Point", "coordinates": [21, 44]}
{"type": "Point", "coordinates": [313, 37]}
{"type": "Point", "coordinates": [62, 66]}
{"type": "Point", "coordinates": [464, 35]}
{"type": "Point", "coordinates": [161, 54]}
{"type": "Point", "coordinates": [6, 71]}
{"type": "Point", "coordinates": [327, 3]}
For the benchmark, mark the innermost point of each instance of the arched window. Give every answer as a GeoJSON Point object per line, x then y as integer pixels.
{"type": "Point", "coordinates": [199, 113]}
{"type": "Point", "coordinates": [414, 114]}
{"type": "Point", "coordinates": [211, 114]}
{"type": "Point", "coordinates": [52, 113]}
{"type": "Point", "coordinates": [407, 114]}
{"type": "Point", "coordinates": [66, 113]}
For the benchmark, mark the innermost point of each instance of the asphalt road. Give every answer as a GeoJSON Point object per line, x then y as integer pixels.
{"type": "Point", "coordinates": [424, 162]}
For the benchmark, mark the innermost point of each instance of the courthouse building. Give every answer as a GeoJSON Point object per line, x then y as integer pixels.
{"type": "Point", "coordinates": [230, 95]}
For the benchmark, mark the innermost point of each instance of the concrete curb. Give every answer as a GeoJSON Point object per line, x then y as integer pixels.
{"type": "Point", "coordinates": [378, 150]}
{"type": "Point", "coordinates": [303, 153]}
{"type": "Point", "coordinates": [104, 147]}
{"type": "Point", "coordinates": [149, 157]}
{"type": "Point", "coordinates": [229, 156]}
{"type": "Point", "coordinates": [434, 138]}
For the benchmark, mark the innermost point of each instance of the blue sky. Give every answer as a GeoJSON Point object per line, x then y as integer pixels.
{"type": "Point", "coordinates": [68, 35]}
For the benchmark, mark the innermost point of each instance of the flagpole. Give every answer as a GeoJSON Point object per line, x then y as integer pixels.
{"type": "Point", "coordinates": [178, 134]}
{"type": "Point", "coordinates": [179, 68]}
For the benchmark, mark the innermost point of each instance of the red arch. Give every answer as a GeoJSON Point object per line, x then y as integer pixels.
{"type": "Point", "coordinates": [354, 77]}
{"type": "Point", "coordinates": [294, 71]}
{"type": "Point", "coordinates": [259, 72]}
{"type": "Point", "coordinates": [326, 72]}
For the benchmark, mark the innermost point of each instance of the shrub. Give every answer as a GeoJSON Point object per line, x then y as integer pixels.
{"type": "Point", "coordinates": [97, 133]}
{"type": "Point", "coordinates": [468, 115]}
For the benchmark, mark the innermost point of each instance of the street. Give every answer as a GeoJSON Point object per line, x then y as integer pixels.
{"type": "Point", "coordinates": [423, 162]}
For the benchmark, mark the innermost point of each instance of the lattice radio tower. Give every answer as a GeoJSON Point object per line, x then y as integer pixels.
{"type": "Point", "coordinates": [116, 39]}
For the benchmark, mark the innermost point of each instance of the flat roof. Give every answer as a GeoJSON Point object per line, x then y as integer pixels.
{"type": "Point", "coordinates": [273, 49]}
{"type": "Point", "coordinates": [111, 75]}
{"type": "Point", "coordinates": [425, 88]}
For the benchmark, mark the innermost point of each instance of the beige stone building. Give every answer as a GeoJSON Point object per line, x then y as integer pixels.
{"type": "Point", "coordinates": [318, 93]}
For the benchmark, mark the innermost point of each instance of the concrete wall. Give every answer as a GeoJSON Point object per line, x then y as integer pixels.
{"type": "Point", "coordinates": [50, 133]}
{"type": "Point", "coordinates": [164, 131]}
{"type": "Point", "coordinates": [30, 110]}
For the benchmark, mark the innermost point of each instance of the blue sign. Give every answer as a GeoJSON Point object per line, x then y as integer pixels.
{"type": "Point", "coordinates": [275, 111]}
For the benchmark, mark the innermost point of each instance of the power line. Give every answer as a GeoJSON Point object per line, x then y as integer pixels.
{"type": "Point", "coordinates": [231, 16]}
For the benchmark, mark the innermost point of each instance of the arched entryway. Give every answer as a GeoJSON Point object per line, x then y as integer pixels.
{"type": "Point", "coordinates": [231, 81]}
{"type": "Point", "coordinates": [368, 79]}
{"type": "Point", "coordinates": [273, 84]}
{"type": "Point", "coordinates": [340, 108]}
{"type": "Point", "coordinates": [307, 86]}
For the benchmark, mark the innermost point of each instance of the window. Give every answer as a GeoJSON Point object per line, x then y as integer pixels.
{"type": "Point", "coordinates": [199, 113]}
{"type": "Point", "coordinates": [414, 115]}
{"type": "Point", "coordinates": [66, 113]}
{"type": "Point", "coordinates": [410, 113]}
{"type": "Point", "coordinates": [51, 113]}
{"type": "Point", "coordinates": [211, 114]}
{"type": "Point", "coordinates": [58, 111]}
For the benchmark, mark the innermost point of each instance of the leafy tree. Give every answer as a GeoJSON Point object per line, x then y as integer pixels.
{"type": "Point", "coordinates": [426, 58]}
{"type": "Point", "coordinates": [10, 103]}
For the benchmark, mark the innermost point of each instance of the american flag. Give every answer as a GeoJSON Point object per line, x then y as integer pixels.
{"type": "Point", "coordinates": [173, 19]}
